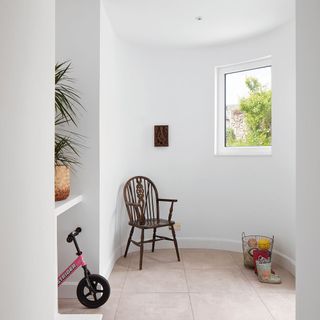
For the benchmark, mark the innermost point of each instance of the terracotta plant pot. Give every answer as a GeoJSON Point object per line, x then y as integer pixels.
{"type": "Point", "coordinates": [62, 183]}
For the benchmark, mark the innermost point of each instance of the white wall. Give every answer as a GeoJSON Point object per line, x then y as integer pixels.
{"type": "Point", "coordinates": [85, 36]}
{"type": "Point", "coordinates": [112, 147]}
{"type": "Point", "coordinates": [28, 224]}
{"type": "Point", "coordinates": [77, 39]}
{"type": "Point", "coordinates": [308, 159]}
{"type": "Point", "coordinates": [219, 197]}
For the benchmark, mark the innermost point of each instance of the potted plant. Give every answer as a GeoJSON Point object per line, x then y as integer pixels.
{"type": "Point", "coordinates": [67, 142]}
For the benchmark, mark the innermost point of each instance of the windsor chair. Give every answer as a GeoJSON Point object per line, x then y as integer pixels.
{"type": "Point", "coordinates": [142, 203]}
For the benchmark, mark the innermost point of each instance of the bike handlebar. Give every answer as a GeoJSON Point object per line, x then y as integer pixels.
{"type": "Point", "coordinates": [73, 234]}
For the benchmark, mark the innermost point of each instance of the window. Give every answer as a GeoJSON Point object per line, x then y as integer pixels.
{"type": "Point", "coordinates": [243, 110]}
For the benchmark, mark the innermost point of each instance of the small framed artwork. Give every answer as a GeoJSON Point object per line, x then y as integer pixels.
{"type": "Point", "coordinates": [161, 136]}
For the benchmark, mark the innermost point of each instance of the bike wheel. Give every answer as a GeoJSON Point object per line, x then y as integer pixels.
{"type": "Point", "coordinates": [95, 296]}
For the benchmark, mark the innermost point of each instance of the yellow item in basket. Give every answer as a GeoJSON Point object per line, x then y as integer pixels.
{"type": "Point", "coordinates": [264, 244]}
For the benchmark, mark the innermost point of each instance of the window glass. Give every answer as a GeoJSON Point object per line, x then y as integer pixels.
{"type": "Point", "coordinates": [248, 105]}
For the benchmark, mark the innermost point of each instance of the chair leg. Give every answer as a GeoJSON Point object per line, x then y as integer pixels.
{"type": "Point", "coordinates": [141, 248]}
{"type": "Point", "coordinates": [154, 238]}
{"type": "Point", "coordinates": [129, 241]}
{"type": "Point", "coordinates": [175, 242]}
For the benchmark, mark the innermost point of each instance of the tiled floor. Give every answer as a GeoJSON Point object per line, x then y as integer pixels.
{"type": "Point", "coordinates": [205, 285]}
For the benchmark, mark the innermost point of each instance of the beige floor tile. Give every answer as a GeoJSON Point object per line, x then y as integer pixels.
{"type": "Point", "coordinates": [154, 306]}
{"type": "Point", "coordinates": [68, 305]}
{"type": "Point", "coordinates": [248, 273]}
{"type": "Point", "coordinates": [124, 262]}
{"type": "Point", "coordinates": [206, 259]}
{"type": "Point", "coordinates": [220, 289]}
{"type": "Point", "coordinates": [226, 306]}
{"type": "Point", "coordinates": [237, 258]}
{"type": "Point", "coordinates": [159, 259]}
{"type": "Point", "coordinates": [228, 279]}
{"type": "Point", "coordinates": [281, 305]}
{"type": "Point", "coordinates": [156, 281]}
{"type": "Point", "coordinates": [117, 277]}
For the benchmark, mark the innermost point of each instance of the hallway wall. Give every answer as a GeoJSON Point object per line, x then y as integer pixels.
{"type": "Point", "coordinates": [28, 223]}
{"type": "Point", "coordinates": [308, 158]}
{"type": "Point", "coordinates": [112, 147]}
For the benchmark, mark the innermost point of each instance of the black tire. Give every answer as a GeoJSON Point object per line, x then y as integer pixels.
{"type": "Point", "coordinates": [87, 297]}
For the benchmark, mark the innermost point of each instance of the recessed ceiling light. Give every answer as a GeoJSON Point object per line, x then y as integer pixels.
{"type": "Point", "coordinates": [199, 18]}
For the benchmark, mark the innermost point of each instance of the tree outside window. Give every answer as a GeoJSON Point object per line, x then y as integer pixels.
{"type": "Point", "coordinates": [251, 121]}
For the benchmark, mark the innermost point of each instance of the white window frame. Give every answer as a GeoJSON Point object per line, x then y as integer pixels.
{"type": "Point", "coordinates": [220, 114]}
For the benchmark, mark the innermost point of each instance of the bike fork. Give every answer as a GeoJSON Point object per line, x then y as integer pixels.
{"type": "Point", "coordinates": [86, 275]}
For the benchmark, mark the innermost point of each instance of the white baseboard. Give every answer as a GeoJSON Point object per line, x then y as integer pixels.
{"type": "Point", "coordinates": [210, 243]}
{"type": "Point", "coordinates": [112, 260]}
{"type": "Point", "coordinates": [284, 261]}
{"type": "Point", "coordinates": [197, 243]}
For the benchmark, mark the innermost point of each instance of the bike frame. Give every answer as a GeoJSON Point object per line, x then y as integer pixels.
{"type": "Point", "coordinates": [79, 262]}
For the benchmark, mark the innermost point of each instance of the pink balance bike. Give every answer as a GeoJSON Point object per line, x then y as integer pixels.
{"type": "Point", "coordinates": [93, 290]}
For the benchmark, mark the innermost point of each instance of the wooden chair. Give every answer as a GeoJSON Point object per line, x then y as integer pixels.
{"type": "Point", "coordinates": [142, 203]}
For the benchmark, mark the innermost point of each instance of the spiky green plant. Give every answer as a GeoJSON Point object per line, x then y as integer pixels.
{"type": "Point", "coordinates": [67, 108]}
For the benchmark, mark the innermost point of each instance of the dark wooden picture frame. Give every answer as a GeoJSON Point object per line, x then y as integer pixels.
{"type": "Point", "coordinates": [161, 136]}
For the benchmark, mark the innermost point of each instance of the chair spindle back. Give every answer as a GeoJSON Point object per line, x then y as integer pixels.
{"type": "Point", "coordinates": [141, 190]}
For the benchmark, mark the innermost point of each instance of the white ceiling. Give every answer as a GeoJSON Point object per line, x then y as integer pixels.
{"type": "Point", "coordinates": [173, 22]}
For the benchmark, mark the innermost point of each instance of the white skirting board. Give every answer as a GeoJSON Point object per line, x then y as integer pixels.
{"type": "Point", "coordinates": [79, 316]}
{"type": "Point", "coordinates": [284, 261]}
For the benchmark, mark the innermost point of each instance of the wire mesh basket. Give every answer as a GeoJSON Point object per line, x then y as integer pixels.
{"type": "Point", "coordinates": [251, 242]}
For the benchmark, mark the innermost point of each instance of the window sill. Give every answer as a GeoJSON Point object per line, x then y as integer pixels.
{"type": "Point", "coordinates": [244, 151]}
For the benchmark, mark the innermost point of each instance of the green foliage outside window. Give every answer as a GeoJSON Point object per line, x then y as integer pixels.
{"type": "Point", "coordinates": [256, 109]}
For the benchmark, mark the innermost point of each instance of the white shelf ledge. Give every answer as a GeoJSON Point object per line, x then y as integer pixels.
{"type": "Point", "coordinates": [63, 206]}
{"type": "Point", "coordinates": [79, 316]}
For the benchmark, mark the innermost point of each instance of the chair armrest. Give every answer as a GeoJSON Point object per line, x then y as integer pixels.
{"type": "Point", "coordinates": [171, 207]}
{"type": "Point", "coordinates": [168, 200]}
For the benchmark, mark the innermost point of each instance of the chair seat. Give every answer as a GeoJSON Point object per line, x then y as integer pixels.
{"type": "Point", "coordinates": [153, 223]}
